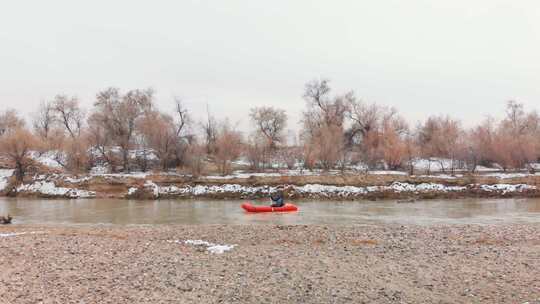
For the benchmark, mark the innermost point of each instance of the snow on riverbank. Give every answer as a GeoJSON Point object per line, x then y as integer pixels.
{"type": "Point", "coordinates": [210, 247]}
{"type": "Point", "coordinates": [339, 191]}
{"type": "Point", "coordinates": [5, 174]}
{"type": "Point", "coordinates": [510, 175]}
{"type": "Point", "coordinates": [281, 173]}
{"type": "Point", "coordinates": [507, 188]}
{"type": "Point", "coordinates": [52, 159]}
{"type": "Point", "coordinates": [47, 188]}
{"type": "Point", "coordinates": [396, 187]}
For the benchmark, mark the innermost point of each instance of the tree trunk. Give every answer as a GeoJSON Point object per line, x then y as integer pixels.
{"type": "Point", "coordinates": [125, 160]}
{"type": "Point", "coordinates": [19, 171]}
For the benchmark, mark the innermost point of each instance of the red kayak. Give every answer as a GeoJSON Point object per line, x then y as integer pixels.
{"type": "Point", "coordinates": [286, 208]}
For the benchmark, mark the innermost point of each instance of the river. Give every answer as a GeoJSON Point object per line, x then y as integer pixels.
{"type": "Point", "coordinates": [195, 212]}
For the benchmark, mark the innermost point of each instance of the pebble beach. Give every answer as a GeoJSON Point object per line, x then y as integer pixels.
{"type": "Point", "coordinates": [270, 264]}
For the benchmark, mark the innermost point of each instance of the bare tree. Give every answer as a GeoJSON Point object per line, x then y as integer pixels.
{"type": "Point", "coordinates": [520, 131]}
{"type": "Point", "coordinates": [184, 138]}
{"type": "Point", "coordinates": [364, 119]}
{"type": "Point", "coordinates": [322, 108]}
{"type": "Point", "coordinates": [44, 120]}
{"type": "Point", "coordinates": [395, 148]}
{"type": "Point", "coordinates": [210, 130]}
{"type": "Point", "coordinates": [183, 119]}
{"type": "Point", "coordinates": [16, 145]}
{"type": "Point", "coordinates": [442, 137]}
{"type": "Point", "coordinates": [118, 114]}
{"type": "Point", "coordinates": [327, 146]}
{"type": "Point", "coordinates": [77, 157]}
{"type": "Point", "coordinates": [255, 152]}
{"type": "Point", "coordinates": [9, 121]}
{"type": "Point", "coordinates": [69, 113]}
{"type": "Point", "coordinates": [195, 158]}
{"type": "Point", "coordinates": [270, 123]}
{"type": "Point", "coordinates": [159, 133]}
{"type": "Point", "coordinates": [324, 124]}
{"type": "Point", "coordinates": [228, 147]}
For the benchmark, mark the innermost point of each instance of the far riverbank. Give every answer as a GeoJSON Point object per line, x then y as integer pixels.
{"type": "Point", "coordinates": [322, 186]}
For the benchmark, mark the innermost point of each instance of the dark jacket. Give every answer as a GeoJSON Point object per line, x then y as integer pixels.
{"type": "Point", "coordinates": [277, 200]}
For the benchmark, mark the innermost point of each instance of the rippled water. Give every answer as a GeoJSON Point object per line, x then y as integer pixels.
{"type": "Point", "coordinates": [108, 211]}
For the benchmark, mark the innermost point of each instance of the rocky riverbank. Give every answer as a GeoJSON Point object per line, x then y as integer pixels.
{"type": "Point", "coordinates": [270, 264]}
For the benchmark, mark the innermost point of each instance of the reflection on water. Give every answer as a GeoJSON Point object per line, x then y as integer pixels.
{"type": "Point", "coordinates": [107, 211]}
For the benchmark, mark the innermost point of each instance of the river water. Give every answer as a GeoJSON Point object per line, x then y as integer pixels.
{"type": "Point", "coordinates": [194, 212]}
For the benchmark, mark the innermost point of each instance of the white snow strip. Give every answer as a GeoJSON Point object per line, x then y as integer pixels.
{"type": "Point", "coordinates": [210, 247]}
{"type": "Point", "coordinates": [5, 174]}
{"type": "Point", "coordinates": [507, 188]}
{"type": "Point", "coordinates": [440, 176]}
{"type": "Point", "coordinates": [132, 190]}
{"type": "Point", "coordinates": [49, 188]}
{"type": "Point", "coordinates": [219, 249]}
{"type": "Point", "coordinates": [387, 172]}
{"type": "Point", "coordinates": [72, 180]}
{"type": "Point", "coordinates": [343, 191]}
{"type": "Point", "coordinates": [49, 158]}
{"type": "Point", "coordinates": [18, 233]}
{"type": "Point", "coordinates": [243, 175]}
{"type": "Point", "coordinates": [125, 175]}
{"type": "Point", "coordinates": [155, 188]}
{"type": "Point", "coordinates": [510, 175]}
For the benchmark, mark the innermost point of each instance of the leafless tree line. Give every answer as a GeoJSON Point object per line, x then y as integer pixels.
{"type": "Point", "coordinates": [124, 131]}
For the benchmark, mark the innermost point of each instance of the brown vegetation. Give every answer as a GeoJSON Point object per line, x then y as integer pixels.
{"type": "Point", "coordinates": [126, 131]}
{"type": "Point", "coordinates": [17, 145]}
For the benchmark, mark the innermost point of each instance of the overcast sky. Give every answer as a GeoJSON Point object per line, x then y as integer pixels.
{"type": "Point", "coordinates": [463, 58]}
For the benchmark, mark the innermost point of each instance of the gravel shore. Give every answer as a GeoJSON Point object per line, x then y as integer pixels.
{"type": "Point", "coordinates": [270, 264]}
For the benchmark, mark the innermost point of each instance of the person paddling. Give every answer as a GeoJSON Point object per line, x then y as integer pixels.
{"type": "Point", "coordinates": [277, 199]}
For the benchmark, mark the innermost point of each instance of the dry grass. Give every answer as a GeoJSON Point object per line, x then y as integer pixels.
{"type": "Point", "coordinates": [486, 241]}
{"type": "Point", "coordinates": [364, 242]}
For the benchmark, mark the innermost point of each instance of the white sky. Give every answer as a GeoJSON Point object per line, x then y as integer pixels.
{"type": "Point", "coordinates": [463, 58]}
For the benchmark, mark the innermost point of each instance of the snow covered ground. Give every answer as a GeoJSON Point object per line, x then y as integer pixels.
{"type": "Point", "coordinates": [506, 188]}
{"type": "Point", "coordinates": [440, 176]}
{"type": "Point", "coordinates": [210, 247]}
{"type": "Point", "coordinates": [340, 191]}
{"type": "Point", "coordinates": [243, 175]}
{"type": "Point", "coordinates": [5, 174]}
{"type": "Point", "coordinates": [510, 175]}
{"type": "Point", "coordinates": [49, 158]}
{"type": "Point", "coordinates": [433, 164]}
{"type": "Point", "coordinates": [48, 188]}
{"type": "Point", "coordinates": [19, 233]}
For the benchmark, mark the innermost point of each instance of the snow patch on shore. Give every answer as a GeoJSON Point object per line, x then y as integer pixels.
{"type": "Point", "coordinates": [5, 174]}
{"type": "Point", "coordinates": [507, 188]}
{"type": "Point", "coordinates": [139, 175]}
{"type": "Point", "coordinates": [50, 158]}
{"type": "Point", "coordinates": [210, 247]}
{"type": "Point", "coordinates": [50, 189]}
{"type": "Point", "coordinates": [74, 180]}
{"type": "Point", "coordinates": [387, 172]}
{"type": "Point", "coordinates": [439, 176]}
{"type": "Point", "coordinates": [343, 191]}
{"type": "Point", "coordinates": [244, 175]}
{"type": "Point", "coordinates": [18, 233]}
{"type": "Point", "coordinates": [510, 175]}
{"type": "Point", "coordinates": [155, 188]}
{"type": "Point", "coordinates": [395, 187]}
{"type": "Point", "coordinates": [132, 190]}
{"type": "Point", "coordinates": [200, 190]}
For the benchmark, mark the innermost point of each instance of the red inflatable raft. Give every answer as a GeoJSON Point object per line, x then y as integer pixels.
{"type": "Point", "coordinates": [286, 208]}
